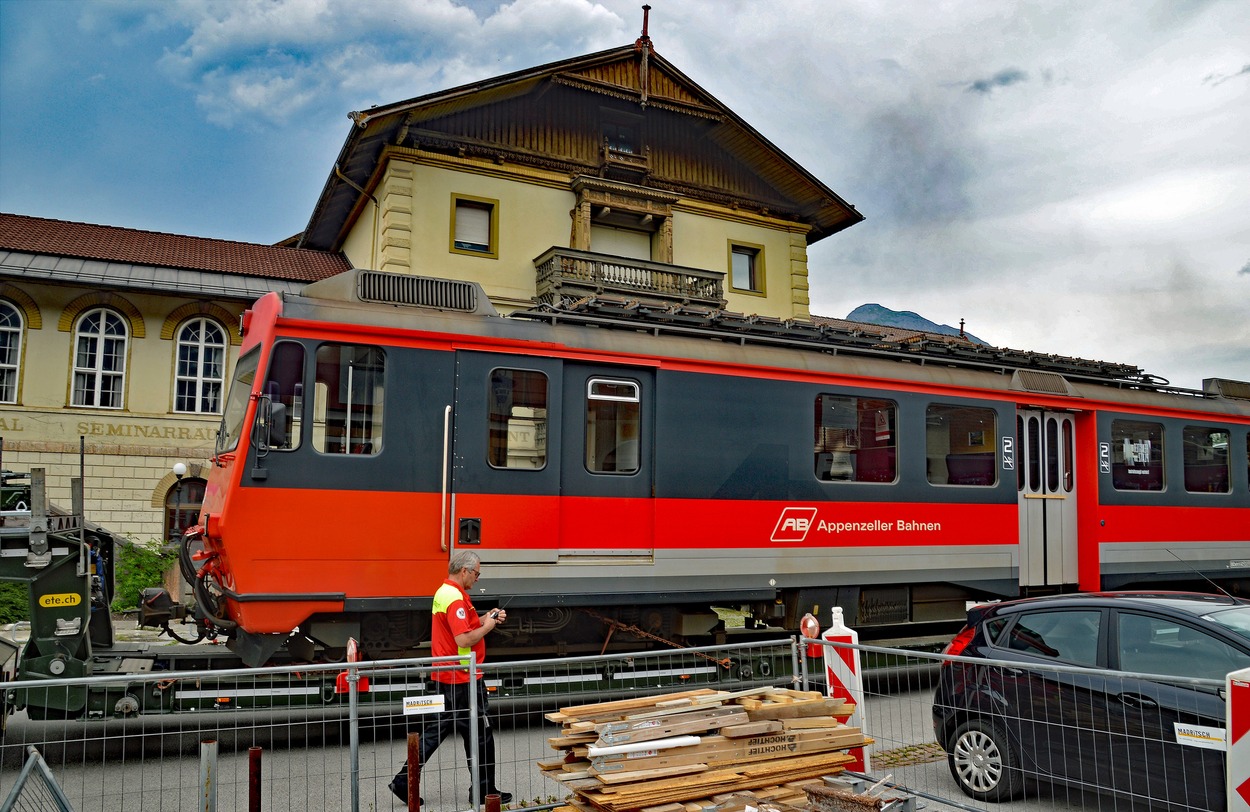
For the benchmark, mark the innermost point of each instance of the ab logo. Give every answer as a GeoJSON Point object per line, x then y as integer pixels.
{"type": "Point", "coordinates": [794, 524]}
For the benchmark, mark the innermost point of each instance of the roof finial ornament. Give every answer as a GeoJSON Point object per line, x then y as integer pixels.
{"type": "Point", "coordinates": [961, 329]}
{"type": "Point", "coordinates": [644, 41]}
{"type": "Point", "coordinates": [642, 46]}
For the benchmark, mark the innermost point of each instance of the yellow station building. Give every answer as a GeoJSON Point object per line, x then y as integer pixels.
{"type": "Point", "coordinates": [607, 174]}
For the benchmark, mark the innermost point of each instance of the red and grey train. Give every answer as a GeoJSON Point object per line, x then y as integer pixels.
{"type": "Point", "coordinates": [640, 464]}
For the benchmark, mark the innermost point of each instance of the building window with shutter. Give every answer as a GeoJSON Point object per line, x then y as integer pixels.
{"type": "Point", "coordinates": [746, 267]}
{"type": "Point", "coordinates": [474, 226]}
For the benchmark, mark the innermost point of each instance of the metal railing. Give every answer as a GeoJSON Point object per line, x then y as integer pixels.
{"type": "Point", "coordinates": [568, 274]}
{"type": "Point", "coordinates": [338, 749]}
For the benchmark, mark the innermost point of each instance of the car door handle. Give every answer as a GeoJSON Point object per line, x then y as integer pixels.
{"type": "Point", "coordinates": [1137, 701]}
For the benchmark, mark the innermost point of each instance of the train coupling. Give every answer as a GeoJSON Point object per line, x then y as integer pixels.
{"type": "Point", "coordinates": [157, 607]}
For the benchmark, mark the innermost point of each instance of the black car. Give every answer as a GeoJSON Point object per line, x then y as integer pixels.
{"type": "Point", "coordinates": [1005, 728]}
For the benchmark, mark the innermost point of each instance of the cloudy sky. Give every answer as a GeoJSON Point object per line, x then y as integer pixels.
{"type": "Point", "coordinates": [1068, 177]}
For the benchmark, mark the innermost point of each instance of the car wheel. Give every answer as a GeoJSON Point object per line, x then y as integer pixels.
{"type": "Point", "coordinates": [984, 763]}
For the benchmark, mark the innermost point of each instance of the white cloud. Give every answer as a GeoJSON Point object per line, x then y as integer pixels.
{"type": "Point", "coordinates": [1087, 197]}
{"type": "Point", "coordinates": [243, 55]}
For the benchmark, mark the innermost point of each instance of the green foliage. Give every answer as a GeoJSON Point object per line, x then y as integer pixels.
{"type": "Point", "coordinates": [138, 567]}
{"type": "Point", "coordinates": [14, 602]}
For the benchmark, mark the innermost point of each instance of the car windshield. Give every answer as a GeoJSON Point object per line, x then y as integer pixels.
{"type": "Point", "coordinates": [1238, 620]}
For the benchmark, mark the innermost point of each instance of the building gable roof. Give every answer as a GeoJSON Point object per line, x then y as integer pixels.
{"type": "Point", "coordinates": [36, 235]}
{"type": "Point", "coordinates": [634, 77]}
{"type": "Point", "coordinates": [41, 250]}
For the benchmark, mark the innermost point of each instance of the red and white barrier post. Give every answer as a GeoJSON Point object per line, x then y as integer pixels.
{"type": "Point", "coordinates": [342, 684]}
{"type": "Point", "coordinates": [1237, 725]}
{"type": "Point", "coordinates": [844, 680]}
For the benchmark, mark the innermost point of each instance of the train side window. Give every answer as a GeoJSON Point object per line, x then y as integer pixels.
{"type": "Point", "coordinates": [1136, 455]}
{"type": "Point", "coordinates": [348, 397]}
{"type": "Point", "coordinates": [613, 417]}
{"type": "Point", "coordinates": [517, 419]}
{"type": "Point", "coordinates": [284, 384]}
{"type": "Point", "coordinates": [1069, 456]}
{"type": "Point", "coordinates": [855, 439]}
{"type": "Point", "coordinates": [960, 445]}
{"type": "Point", "coordinates": [1020, 460]}
{"type": "Point", "coordinates": [1052, 455]}
{"type": "Point", "coordinates": [1035, 453]}
{"type": "Point", "coordinates": [1206, 459]}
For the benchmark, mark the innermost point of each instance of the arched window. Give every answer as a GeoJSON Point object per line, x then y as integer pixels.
{"type": "Point", "coordinates": [100, 359]}
{"type": "Point", "coordinates": [201, 367]}
{"type": "Point", "coordinates": [182, 506]}
{"type": "Point", "coordinates": [10, 351]}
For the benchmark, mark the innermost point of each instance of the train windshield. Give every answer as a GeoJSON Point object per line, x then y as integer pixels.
{"type": "Point", "coordinates": [236, 401]}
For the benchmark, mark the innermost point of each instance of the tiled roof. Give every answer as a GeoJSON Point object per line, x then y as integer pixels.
{"type": "Point", "coordinates": [36, 235]}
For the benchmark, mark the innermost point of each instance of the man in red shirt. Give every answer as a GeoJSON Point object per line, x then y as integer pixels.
{"type": "Point", "coordinates": [457, 629]}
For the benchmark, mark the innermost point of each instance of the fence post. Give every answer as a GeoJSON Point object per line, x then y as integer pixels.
{"type": "Point", "coordinates": [353, 725]}
{"type": "Point", "coordinates": [475, 767]}
{"type": "Point", "coordinates": [253, 779]}
{"type": "Point", "coordinates": [414, 771]}
{"type": "Point", "coordinates": [208, 775]}
{"type": "Point", "coordinates": [843, 678]}
{"type": "Point", "coordinates": [1237, 751]}
{"type": "Point", "coordinates": [352, 683]}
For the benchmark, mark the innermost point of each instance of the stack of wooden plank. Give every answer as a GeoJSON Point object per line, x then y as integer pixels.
{"type": "Point", "coordinates": [696, 750]}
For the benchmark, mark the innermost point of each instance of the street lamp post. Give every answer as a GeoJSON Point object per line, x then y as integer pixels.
{"type": "Point", "coordinates": [180, 470]}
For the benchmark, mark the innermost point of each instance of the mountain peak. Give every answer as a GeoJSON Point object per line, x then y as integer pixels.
{"type": "Point", "coordinates": [874, 313]}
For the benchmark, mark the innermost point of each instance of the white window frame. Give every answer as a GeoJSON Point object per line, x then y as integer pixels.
{"type": "Point", "coordinates": [12, 330]}
{"type": "Point", "coordinates": [198, 356]}
{"type": "Point", "coordinates": [626, 392]}
{"type": "Point", "coordinates": [100, 334]}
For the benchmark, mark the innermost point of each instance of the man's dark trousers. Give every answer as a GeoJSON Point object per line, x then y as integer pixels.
{"type": "Point", "coordinates": [455, 717]}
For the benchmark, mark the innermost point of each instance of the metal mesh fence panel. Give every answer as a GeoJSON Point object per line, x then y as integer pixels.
{"type": "Point", "coordinates": [293, 736]}
{"type": "Point", "coordinates": [972, 733]}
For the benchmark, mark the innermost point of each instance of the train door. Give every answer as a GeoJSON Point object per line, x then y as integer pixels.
{"type": "Point", "coordinates": [607, 462]}
{"type": "Point", "coordinates": [1046, 482]}
{"type": "Point", "coordinates": [504, 478]}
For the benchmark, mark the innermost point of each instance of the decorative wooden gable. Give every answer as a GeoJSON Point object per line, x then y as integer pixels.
{"type": "Point", "coordinates": [636, 80]}
{"type": "Point", "coordinates": [624, 115]}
